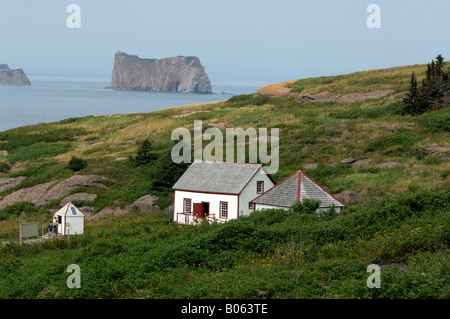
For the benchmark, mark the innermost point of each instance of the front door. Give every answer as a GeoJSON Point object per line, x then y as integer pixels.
{"type": "Point", "coordinates": [205, 208]}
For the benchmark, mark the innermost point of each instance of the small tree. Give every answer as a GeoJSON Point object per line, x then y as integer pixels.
{"type": "Point", "coordinates": [77, 164]}
{"type": "Point", "coordinates": [145, 153]}
{"type": "Point", "coordinates": [412, 98]}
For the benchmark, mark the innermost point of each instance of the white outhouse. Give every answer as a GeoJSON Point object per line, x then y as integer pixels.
{"type": "Point", "coordinates": [70, 220]}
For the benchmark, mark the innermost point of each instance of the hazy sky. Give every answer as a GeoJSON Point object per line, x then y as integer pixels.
{"type": "Point", "coordinates": [245, 40]}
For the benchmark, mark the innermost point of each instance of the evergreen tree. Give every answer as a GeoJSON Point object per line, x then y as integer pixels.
{"type": "Point", "coordinates": [145, 153]}
{"type": "Point", "coordinates": [434, 92]}
{"type": "Point", "coordinates": [168, 171]}
{"type": "Point", "coordinates": [412, 99]}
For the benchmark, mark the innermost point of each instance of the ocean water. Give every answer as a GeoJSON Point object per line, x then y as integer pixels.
{"type": "Point", "coordinates": [54, 98]}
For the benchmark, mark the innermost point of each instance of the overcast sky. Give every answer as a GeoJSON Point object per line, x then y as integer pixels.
{"type": "Point", "coordinates": [245, 40]}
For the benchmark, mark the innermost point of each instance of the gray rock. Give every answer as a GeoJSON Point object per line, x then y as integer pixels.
{"type": "Point", "coordinates": [348, 196]}
{"type": "Point", "coordinates": [348, 160]}
{"type": "Point", "coordinates": [85, 197]}
{"type": "Point", "coordinates": [42, 194]}
{"type": "Point", "coordinates": [360, 163]}
{"type": "Point", "coordinates": [184, 74]}
{"type": "Point", "coordinates": [12, 77]}
{"type": "Point", "coordinates": [10, 182]}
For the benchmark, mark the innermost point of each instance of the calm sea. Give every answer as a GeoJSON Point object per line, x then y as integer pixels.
{"type": "Point", "coordinates": [51, 99]}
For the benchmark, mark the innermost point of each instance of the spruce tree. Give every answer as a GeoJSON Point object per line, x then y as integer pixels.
{"type": "Point", "coordinates": [145, 153]}
{"type": "Point", "coordinates": [412, 99]}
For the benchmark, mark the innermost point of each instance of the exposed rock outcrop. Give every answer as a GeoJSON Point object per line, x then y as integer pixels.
{"type": "Point", "coordinates": [285, 90]}
{"type": "Point", "coordinates": [145, 204]}
{"type": "Point", "coordinates": [42, 194]}
{"type": "Point", "coordinates": [12, 77]}
{"type": "Point", "coordinates": [176, 74]}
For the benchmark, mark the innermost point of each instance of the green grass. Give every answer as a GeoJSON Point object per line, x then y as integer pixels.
{"type": "Point", "coordinates": [37, 151]}
{"type": "Point", "coordinates": [147, 256]}
{"type": "Point", "coordinates": [273, 254]}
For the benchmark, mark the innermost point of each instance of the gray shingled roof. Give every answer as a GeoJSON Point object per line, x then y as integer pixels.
{"type": "Point", "coordinates": [216, 177]}
{"type": "Point", "coordinates": [284, 194]}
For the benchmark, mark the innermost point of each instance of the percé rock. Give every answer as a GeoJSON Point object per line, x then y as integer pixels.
{"type": "Point", "coordinates": [12, 77]}
{"type": "Point", "coordinates": [176, 74]}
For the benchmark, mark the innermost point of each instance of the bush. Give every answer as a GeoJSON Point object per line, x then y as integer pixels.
{"type": "Point", "coordinates": [77, 164]}
{"type": "Point", "coordinates": [306, 206]}
{"type": "Point", "coordinates": [4, 167]}
{"type": "Point", "coordinates": [436, 121]}
{"type": "Point", "coordinates": [17, 209]}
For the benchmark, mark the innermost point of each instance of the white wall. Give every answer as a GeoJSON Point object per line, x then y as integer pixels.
{"type": "Point", "coordinates": [265, 206]}
{"type": "Point", "coordinates": [319, 210]}
{"type": "Point", "coordinates": [249, 192]}
{"type": "Point", "coordinates": [76, 225]}
{"type": "Point", "coordinates": [214, 204]}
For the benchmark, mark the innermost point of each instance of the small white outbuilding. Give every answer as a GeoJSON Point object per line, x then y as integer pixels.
{"type": "Point", "coordinates": [70, 220]}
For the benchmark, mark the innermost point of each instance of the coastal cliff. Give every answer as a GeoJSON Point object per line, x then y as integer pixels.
{"type": "Point", "coordinates": [175, 74]}
{"type": "Point", "coordinates": [12, 77]}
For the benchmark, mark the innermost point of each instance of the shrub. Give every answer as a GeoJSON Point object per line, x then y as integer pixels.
{"type": "Point", "coordinates": [4, 167]}
{"type": "Point", "coordinates": [436, 121]}
{"type": "Point", "coordinates": [77, 164]}
{"type": "Point", "coordinates": [306, 206]}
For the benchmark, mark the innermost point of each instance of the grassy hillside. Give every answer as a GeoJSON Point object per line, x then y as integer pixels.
{"type": "Point", "coordinates": [399, 165]}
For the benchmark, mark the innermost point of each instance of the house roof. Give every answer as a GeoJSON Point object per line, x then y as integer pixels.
{"type": "Point", "coordinates": [297, 187]}
{"type": "Point", "coordinates": [69, 210]}
{"type": "Point", "coordinates": [217, 177]}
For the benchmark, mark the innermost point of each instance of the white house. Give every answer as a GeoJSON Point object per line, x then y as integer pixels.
{"type": "Point", "coordinates": [296, 188]}
{"type": "Point", "coordinates": [70, 220]}
{"type": "Point", "coordinates": [218, 191]}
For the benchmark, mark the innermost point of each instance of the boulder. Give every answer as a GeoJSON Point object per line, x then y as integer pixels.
{"type": "Point", "coordinates": [348, 196]}
{"type": "Point", "coordinates": [85, 197]}
{"type": "Point", "coordinates": [145, 204]}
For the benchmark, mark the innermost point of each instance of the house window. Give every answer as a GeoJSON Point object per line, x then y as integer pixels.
{"type": "Point", "coordinates": [251, 205]}
{"type": "Point", "coordinates": [259, 187]}
{"type": "Point", "coordinates": [187, 205]}
{"type": "Point", "coordinates": [223, 209]}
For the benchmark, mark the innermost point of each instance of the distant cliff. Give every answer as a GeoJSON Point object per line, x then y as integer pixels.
{"type": "Point", "coordinates": [176, 74]}
{"type": "Point", "coordinates": [12, 77]}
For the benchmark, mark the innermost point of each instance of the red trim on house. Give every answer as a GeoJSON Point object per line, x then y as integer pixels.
{"type": "Point", "coordinates": [261, 166]}
{"type": "Point", "coordinates": [298, 187]}
{"type": "Point", "coordinates": [174, 214]}
{"type": "Point", "coordinates": [299, 182]}
{"type": "Point", "coordinates": [188, 190]}
{"type": "Point", "coordinates": [322, 188]}
{"type": "Point", "coordinates": [274, 186]}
